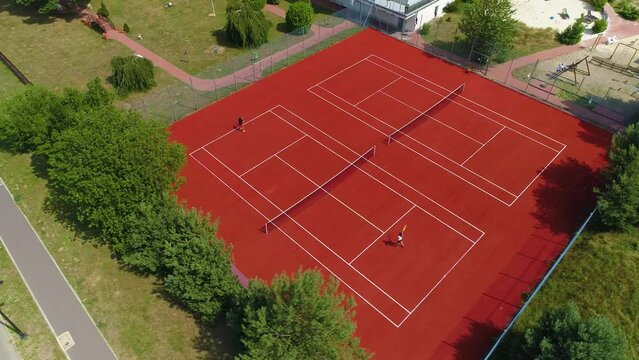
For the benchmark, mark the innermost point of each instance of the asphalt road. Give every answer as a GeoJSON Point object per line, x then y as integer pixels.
{"type": "Point", "coordinates": [59, 304]}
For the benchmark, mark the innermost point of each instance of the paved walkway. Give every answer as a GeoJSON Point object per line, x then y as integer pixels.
{"type": "Point", "coordinates": [7, 350]}
{"type": "Point", "coordinates": [249, 73]}
{"type": "Point", "coordinates": [61, 307]}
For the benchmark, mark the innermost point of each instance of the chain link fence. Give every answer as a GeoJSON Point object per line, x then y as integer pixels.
{"type": "Point", "coordinates": [175, 101]}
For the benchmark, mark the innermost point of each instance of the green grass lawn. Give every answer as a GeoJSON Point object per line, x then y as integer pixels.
{"type": "Point", "coordinates": [18, 304]}
{"type": "Point", "coordinates": [9, 83]}
{"type": "Point", "coordinates": [136, 321]}
{"type": "Point", "coordinates": [601, 275]}
{"type": "Point", "coordinates": [54, 52]}
{"type": "Point", "coordinates": [444, 34]}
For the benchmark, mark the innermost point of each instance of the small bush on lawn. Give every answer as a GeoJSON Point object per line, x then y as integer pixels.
{"type": "Point", "coordinates": [131, 74]}
{"type": "Point", "coordinates": [572, 34]}
{"type": "Point", "coordinates": [599, 26]}
{"type": "Point", "coordinates": [425, 29]}
{"type": "Point", "coordinates": [257, 4]}
{"type": "Point", "coordinates": [299, 17]}
{"type": "Point", "coordinates": [103, 11]}
{"type": "Point", "coordinates": [273, 2]}
{"type": "Point", "coordinates": [126, 28]}
{"type": "Point", "coordinates": [598, 4]}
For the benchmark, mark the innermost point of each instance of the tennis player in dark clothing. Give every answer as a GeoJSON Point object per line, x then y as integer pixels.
{"type": "Point", "coordinates": [240, 124]}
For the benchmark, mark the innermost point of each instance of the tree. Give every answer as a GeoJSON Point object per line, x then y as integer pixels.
{"type": "Point", "coordinates": [573, 33]}
{"type": "Point", "coordinates": [245, 26]}
{"type": "Point", "coordinates": [299, 317]}
{"type": "Point", "coordinates": [599, 26]}
{"type": "Point", "coordinates": [131, 74]}
{"type": "Point", "coordinates": [257, 5]}
{"type": "Point", "coordinates": [618, 201]}
{"type": "Point", "coordinates": [563, 334]}
{"type": "Point", "coordinates": [27, 117]}
{"type": "Point", "coordinates": [103, 11]}
{"type": "Point", "coordinates": [111, 161]}
{"type": "Point", "coordinates": [489, 25]}
{"type": "Point", "coordinates": [198, 270]}
{"type": "Point", "coordinates": [299, 17]}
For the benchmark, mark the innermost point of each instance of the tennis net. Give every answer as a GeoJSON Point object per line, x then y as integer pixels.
{"type": "Point", "coordinates": [362, 157]}
{"type": "Point", "coordinates": [458, 90]}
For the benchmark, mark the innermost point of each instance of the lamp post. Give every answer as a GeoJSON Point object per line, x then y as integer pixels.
{"type": "Point", "coordinates": [212, 8]}
{"type": "Point", "coordinates": [14, 327]}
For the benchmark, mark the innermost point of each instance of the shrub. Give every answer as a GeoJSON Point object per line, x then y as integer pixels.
{"type": "Point", "coordinates": [629, 12]}
{"type": "Point", "coordinates": [598, 4]}
{"type": "Point", "coordinates": [425, 29]}
{"type": "Point", "coordinates": [599, 26]}
{"type": "Point", "coordinates": [273, 2]}
{"type": "Point", "coordinates": [451, 7]}
{"type": "Point", "coordinates": [103, 11]}
{"type": "Point", "coordinates": [245, 27]}
{"type": "Point", "coordinates": [572, 34]}
{"type": "Point", "coordinates": [299, 17]}
{"type": "Point", "coordinates": [126, 28]}
{"type": "Point", "coordinates": [131, 74]}
{"type": "Point", "coordinates": [257, 5]}
{"type": "Point", "coordinates": [563, 334]}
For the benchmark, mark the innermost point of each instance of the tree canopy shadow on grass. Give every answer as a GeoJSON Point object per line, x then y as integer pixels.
{"type": "Point", "coordinates": [565, 196]}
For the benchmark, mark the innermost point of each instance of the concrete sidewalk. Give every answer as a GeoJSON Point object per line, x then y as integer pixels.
{"type": "Point", "coordinates": [7, 349]}
{"type": "Point", "coordinates": [75, 330]}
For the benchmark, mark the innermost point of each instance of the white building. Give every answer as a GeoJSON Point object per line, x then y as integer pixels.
{"type": "Point", "coordinates": [404, 15]}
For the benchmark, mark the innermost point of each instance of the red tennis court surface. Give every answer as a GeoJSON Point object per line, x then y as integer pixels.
{"type": "Point", "coordinates": [345, 148]}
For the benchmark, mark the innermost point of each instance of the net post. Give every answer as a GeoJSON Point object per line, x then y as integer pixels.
{"type": "Point", "coordinates": [374, 149]}
{"type": "Point", "coordinates": [266, 228]}
{"type": "Point", "coordinates": [388, 140]}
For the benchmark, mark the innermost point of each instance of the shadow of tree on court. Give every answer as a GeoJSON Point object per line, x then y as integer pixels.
{"type": "Point", "coordinates": [565, 196]}
{"type": "Point", "coordinates": [480, 336]}
{"type": "Point", "coordinates": [594, 135]}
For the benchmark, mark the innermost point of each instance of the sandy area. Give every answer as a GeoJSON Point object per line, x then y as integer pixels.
{"type": "Point", "coordinates": [545, 13]}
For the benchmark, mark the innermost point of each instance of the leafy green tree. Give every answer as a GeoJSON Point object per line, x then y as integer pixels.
{"type": "Point", "coordinates": [599, 26]}
{"type": "Point", "coordinates": [573, 33]}
{"type": "Point", "coordinates": [257, 5]}
{"type": "Point", "coordinates": [618, 201]}
{"type": "Point", "coordinates": [109, 163]}
{"type": "Point", "coordinates": [490, 26]}
{"type": "Point", "coordinates": [563, 334]}
{"type": "Point", "coordinates": [198, 269]}
{"type": "Point", "coordinates": [103, 11]}
{"type": "Point", "coordinates": [50, 6]}
{"type": "Point", "coordinates": [27, 117]}
{"type": "Point", "coordinates": [598, 5]}
{"type": "Point", "coordinates": [299, 17]}
{"type": "Point", "coordinates": [299, 317]}
{"type": "Point", "coordinates": [131, 74]}
{"type": "Point", "coordinates": [245, 26]}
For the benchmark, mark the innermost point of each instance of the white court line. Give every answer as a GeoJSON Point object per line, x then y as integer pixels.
{"type": "Point", "coordinates": [542, 170]}
{"type": "Point", "coordinates": [379, 90]}
{"type": "Point", "coordinates": [298, 224]}
{"type": "Point", "coordinates": [228, 186]}
{"type": "Point", "coordinates": [337, 73]}
{"type": "Point", "coordinates": [232, 131]}
{"type": "Point", "coordinates": [432, 161]}
{"type": "Point", "coordinates": [293, 220]}
{"type": "Point", "coordinates": [331, 195]}
{"type": "Point", "coordinates": [481, 147]}
{"type": "Point", "coordinates": [389, 174]}
{"type": "Point", "coordinates": [382, 234]}
{"type": "Point", "coordinates": [437, 284]}
{"type": "Point", "coordinates": [471, 101]}
{"type": "Point", "coordinates": [340, 279]}
{"type": "Point", "coordinates": [270, 157]}
{"type": "Point", "coordinates": [304, 249]}
{"type": "Point", "coordinates": [423, 145]}
{"type": "Point", "coordinates": [432, 117]}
